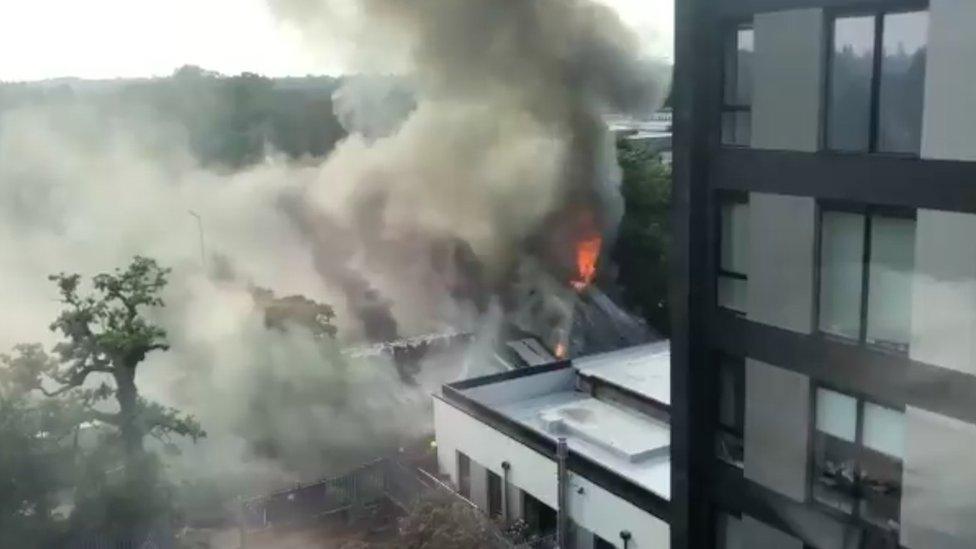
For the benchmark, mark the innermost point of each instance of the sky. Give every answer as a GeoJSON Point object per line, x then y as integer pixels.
{"type": "Point", "coordinates": [139, 38]}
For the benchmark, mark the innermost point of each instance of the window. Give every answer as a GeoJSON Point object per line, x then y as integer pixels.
{"type": "Point", "coordinates": [464, 475]}
{"type": "Point", "coordinates": [731, 410]}
{"type": "Point", "coordinates": [867, 258]}
{"type": "Point", "coordinates": [737, 89]}
{"type": "Point", "coordinates": [877, 76]}
{"type": "Point", "coordinates": [733, 252]}
{"type": "Point", "coordinates": [494, 494]}
{"type": "Point", "coordinates": [540, 518]}
{"type": "Point", "coordinates": [858, 449]}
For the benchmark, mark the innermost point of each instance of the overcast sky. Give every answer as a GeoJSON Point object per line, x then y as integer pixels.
{"type": "Point", "coordinates": [130, 38]}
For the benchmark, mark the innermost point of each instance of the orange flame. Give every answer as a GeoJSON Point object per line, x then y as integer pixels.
{"type": "Point", "coordinates": [587, 253]}
{"type": "Point", "coordinates": [560, 350]}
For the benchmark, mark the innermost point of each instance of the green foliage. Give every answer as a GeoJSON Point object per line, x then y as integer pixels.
{"type": "Point", "coordinates": [48, 402]}
{"type": "Point", "coordinates": [228, 121]}
{"type": "Point", "coordinates": [35, 461]}
{"type": "Point", "coordinates": [295, 310]}
{"type": "Point", "coordinates": [441, 522]}
{"type": "Point", "coordinates": [106, 332]}
{"type": "Point", "coordinates": [641, 250]}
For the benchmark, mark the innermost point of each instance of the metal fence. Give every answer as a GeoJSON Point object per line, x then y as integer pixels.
{"type": "Point", "coordinates": [159, 537]}
{"type": "Point", "coordinates": [358, 488]}
{"type": "Point", "coordinates": [379, 481]}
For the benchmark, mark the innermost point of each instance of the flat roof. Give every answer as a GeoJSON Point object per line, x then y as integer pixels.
{"type": "Point", "coordinates": [634, 445]}
{"type": "Point", "coordinates": [548, 401]}
{"type": "Point", "coordinates": [643, 369]}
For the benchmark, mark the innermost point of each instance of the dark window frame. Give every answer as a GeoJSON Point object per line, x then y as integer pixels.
{"type": "Point", "coordinates": [731, 434]}
{"type": "Point", "coordinates": [874, 108]}
{"type": "Point", "coordinates": [717, 512]}
{"type": "Point", "coordinates": [730, 44]}
{"type": "Point", "coordinates": [859, 454]}
{"type": "Point", "coordinates": [869, 211]}
{"type": "Point", "coordinates": [723, 197]}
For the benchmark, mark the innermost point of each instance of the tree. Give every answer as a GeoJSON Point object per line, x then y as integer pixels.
{"type": "Point", "coordinates": [436, 522]}
{"type": "Point", "coordinates": [296, 310]}
{"type": "Point", "coordinates": [35, 458]}
{"type": "Point", "coordinates": [106, 334]}
{"type": "Point", "coordinates": [641, 250]}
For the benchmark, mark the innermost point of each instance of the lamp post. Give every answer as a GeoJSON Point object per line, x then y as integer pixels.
{"type": "Point", "coordinates": [203, 254]}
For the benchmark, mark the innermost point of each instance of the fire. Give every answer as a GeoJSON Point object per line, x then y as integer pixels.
{"type": "Point", "coordinates": [560, 350]}
{"type": "Point", "coordinates": [587, 253]}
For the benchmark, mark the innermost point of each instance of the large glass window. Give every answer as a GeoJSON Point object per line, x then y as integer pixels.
{"type": "Point", "coordinates": [733, 258]}
{"type": "Point", "coordinates": [877, 74]}
{"type": "Point", "coordinates": [867, 259]}
{"type": "Point", "coordinates": [902, 81]}
{"type": "Point", "coordinates": [848, 123]}
{"type": "Point", "coordinates": [858, 452]}
{"type": "Point", "coordinates": [737, 89]}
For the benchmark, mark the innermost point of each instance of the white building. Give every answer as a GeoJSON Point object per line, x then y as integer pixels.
{"type": "Point", "coordinates": [497, 438]}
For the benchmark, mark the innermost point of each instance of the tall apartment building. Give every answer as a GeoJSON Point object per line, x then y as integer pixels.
{"type": "Point", "coordinates": [824, 345]}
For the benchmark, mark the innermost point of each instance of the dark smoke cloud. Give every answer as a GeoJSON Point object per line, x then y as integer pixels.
{"type": "Point", "coordinates": [506, 152]}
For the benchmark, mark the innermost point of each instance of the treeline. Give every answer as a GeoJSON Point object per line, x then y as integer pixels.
{"type": "Point", "coordinates": [229, 121]}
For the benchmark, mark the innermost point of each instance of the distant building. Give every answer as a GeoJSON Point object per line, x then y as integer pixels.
{"type": "Point", "coordinates": [653, 133]}
{"type": "Point", "coordinates": [825, 275]}
{"type": "Point", "coordinates": [497, 438]}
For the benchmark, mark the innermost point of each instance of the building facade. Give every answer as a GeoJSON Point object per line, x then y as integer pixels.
{"type": "Point", "coordinates": [824, 267]}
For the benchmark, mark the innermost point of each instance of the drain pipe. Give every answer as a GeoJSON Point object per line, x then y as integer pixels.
{"type": "Point", "coordinates": [562, 484]}
{"type": "Point", "coordinates": [625, 535]}
{"type": "Point", "coordinates": [505, 511]}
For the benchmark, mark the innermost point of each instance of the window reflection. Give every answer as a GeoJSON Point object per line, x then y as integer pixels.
{"type": "Point", "coordinates": [850, 84]}
{"type": "Point", "coordinates": [841, 262]}
{"type": "Point", "coordinates": [902, 82]}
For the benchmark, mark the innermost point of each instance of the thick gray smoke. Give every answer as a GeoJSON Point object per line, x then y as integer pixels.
{"type": "Point", "coordinates": [420, 221]}
{"type": "Point", "coordinates": [506, 150]}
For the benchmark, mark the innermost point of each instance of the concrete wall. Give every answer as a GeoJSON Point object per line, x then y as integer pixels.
{"type": "Point", "coordinates": [455, 430]}
{"type": "Point", "coordinates": [944, 291]}
{"type": "Point", "coordinates": [938, 504]}
{"type": "Point", "coordinates": [787, 80]}
{"type": "Point", "coordinates": [782, 238]}
{"type": "Point", "coordinates": [776, 429]}
{"type": "Point", "coordinates": [756, 535]}
{"type": "Point", "coordinates": [606, 515]}
{"type": "Point", "coordinates": [949, 112]}
{"type": "Point", "coordinates": [594, 509]}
